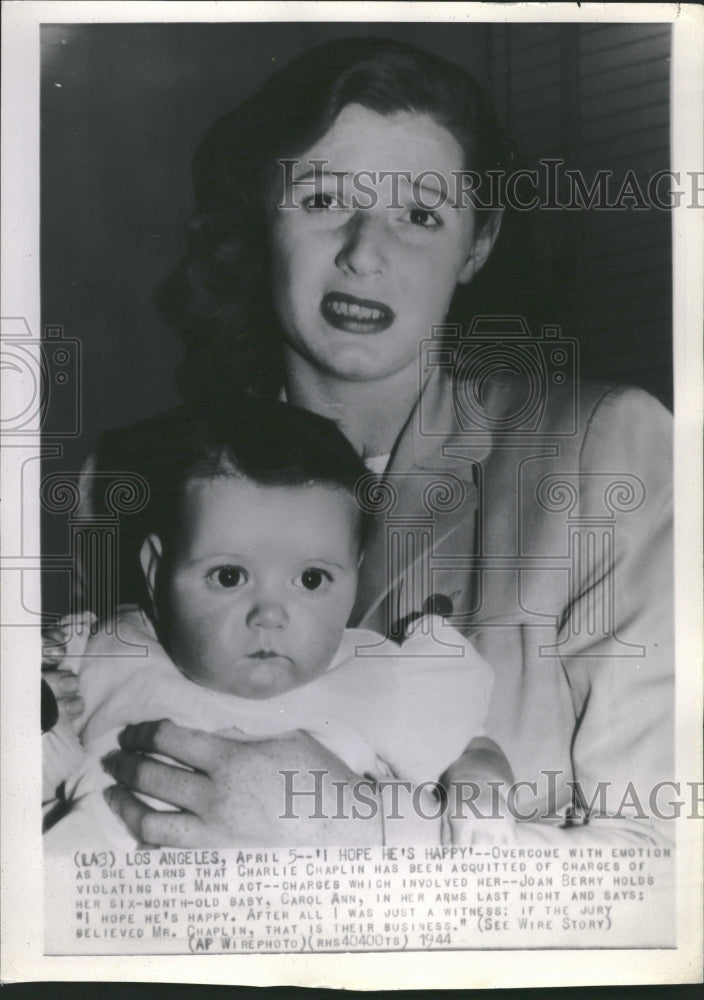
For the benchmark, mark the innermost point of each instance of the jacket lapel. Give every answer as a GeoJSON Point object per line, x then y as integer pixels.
{"type": "Point", "coordinates": [422, 540]}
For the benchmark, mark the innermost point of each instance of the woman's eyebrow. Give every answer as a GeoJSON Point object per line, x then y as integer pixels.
{"type": "Point", "coordinates": [319, 171]}
{"type": "Point", "coordinates": [431, 186]}
{"type": "Point", "coordinates": [434, 196]}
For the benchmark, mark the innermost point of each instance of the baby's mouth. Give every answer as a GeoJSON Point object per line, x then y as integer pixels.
{"type": "Point", "coordinates": [353, 315]}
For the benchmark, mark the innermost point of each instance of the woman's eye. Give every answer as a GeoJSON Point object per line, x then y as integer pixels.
{"type": "Point", "coordinates": [228, 576]}
{"type": "Point", "coordinates": [424, 218]}
{"type": "Point", "coordinates": [322, 201]}
{"type": "Point", "coordinates": [314, 579]}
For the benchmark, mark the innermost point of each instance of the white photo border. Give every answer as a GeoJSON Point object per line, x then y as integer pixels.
{"type": "Point", "coordinates": [22, 889]}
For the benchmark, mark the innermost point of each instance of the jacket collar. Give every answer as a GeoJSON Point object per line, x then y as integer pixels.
{"type": "Point", "coordinates": [433, 437]}
{"type": "Point", "coordinates": [432, 441]}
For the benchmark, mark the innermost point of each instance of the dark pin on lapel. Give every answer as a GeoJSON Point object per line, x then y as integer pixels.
{"type": "Point", "coordinates": [436, 604]}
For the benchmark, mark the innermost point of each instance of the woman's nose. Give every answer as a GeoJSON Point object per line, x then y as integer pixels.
{"type": "Point", "coordinates": [363, 251]}
{"type": "Point", "coordinates": [267, 614]}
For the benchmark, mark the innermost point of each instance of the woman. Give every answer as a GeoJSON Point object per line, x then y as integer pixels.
{"type": "Point", "coordinates": [331, 238]}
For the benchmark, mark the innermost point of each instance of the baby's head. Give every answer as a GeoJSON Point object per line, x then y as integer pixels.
{"type": "Point", "coordinates": [252, 566]}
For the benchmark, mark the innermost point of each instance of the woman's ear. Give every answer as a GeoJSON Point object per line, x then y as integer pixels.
{"type": "Point", "coordinates": [483, 245]}
{"type": "Point", "coordinates": [150, 556]}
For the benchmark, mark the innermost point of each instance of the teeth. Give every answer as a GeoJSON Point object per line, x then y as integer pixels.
{"type": "Point", "coordinates": [354, 311]}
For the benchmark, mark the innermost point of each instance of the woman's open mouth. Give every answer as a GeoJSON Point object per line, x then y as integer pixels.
{"type": "Point", "coordinates": [345, 312]}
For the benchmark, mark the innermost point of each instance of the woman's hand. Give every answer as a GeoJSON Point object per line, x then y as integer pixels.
{"type": "Point", "coordinates": [236, 794]}
{"type": "Point", "coordinates": [488, 822]}
{"type": "Point", "coordinates": [477, 785]}
{"type": "Point", "coordinates": [68, 638]}
{"type": "Point", "coordinates": [64, 686]}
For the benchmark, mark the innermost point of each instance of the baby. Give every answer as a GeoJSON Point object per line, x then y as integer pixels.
{"type": "Point", "coordinates": [251, 570]}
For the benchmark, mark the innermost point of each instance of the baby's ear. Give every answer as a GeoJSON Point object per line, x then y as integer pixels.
{"type": "Point", "coordinates": [150, 557]}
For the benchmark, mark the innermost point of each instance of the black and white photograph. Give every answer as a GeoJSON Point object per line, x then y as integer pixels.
{"type": "Point", "coordinates": [352, 558]}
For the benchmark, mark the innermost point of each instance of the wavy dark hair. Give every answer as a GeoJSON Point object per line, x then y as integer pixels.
{"type": "Point", "coordinates": [219, 298]}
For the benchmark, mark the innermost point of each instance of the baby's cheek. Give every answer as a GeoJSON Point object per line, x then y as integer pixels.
{"type": "Point", "coordinates": [321, 646]}
{"type": "Point", "coordinates": [197, 648]}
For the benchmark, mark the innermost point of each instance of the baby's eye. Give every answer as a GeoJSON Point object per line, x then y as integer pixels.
{"type": "Point", "coordinates": [228, 577]}
{"type": "Point", "coordinates": [314, 579]}
{"type": "Point", "coordinates": [424, 218]}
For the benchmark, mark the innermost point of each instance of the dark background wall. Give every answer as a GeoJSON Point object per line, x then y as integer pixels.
{"type": "Point", "coordinates": [598, 96]}
{"type": "Point", "coordinates": [124, 106]}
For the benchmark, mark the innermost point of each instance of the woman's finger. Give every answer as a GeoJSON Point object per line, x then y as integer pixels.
{"type": "Point", "coordinates": [73, 707]}
{"type": "Point", "coordinates": [54, 636]}
{"type": "Point", "coordinates": [50, 663]}
{"type": "Point", "coordinates": [175, 829]}
{"type": "Point", "coordinates": [188, 746]}
{"type": "Point", "coordinates": [166, 782]}
{"type": "Point", "coordinates": [61, 682]}
{"type": "Point", "coordinates": [130, 810]}
{"type": "Point", "coordinates": [151, 827]}
{"type": "Point", "coordinates": [71, 623]}
{"type": "Point", "coordinates": [239, 736]}
{"type": "Point", "coordinates": [52, 656]}
{"type": "Point", "coordinates": [69, 635]}
{"type": "Point", "coordinates": [65, 687]}
{"type": "Point", "coordinates": [487, 830]}
{"type": "Point", "coordinates": [67, 682]}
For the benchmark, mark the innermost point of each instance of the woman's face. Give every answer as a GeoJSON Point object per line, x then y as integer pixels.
{"type": "Point", "coordinates": [363, 262]}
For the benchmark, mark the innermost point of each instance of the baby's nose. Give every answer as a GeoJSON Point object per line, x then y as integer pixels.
{"type": "Point", "coordinates": [268, 614]}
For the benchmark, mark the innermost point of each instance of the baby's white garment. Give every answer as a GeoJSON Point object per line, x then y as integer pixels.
{"type": "Point", "coordinates": [385, 710]}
